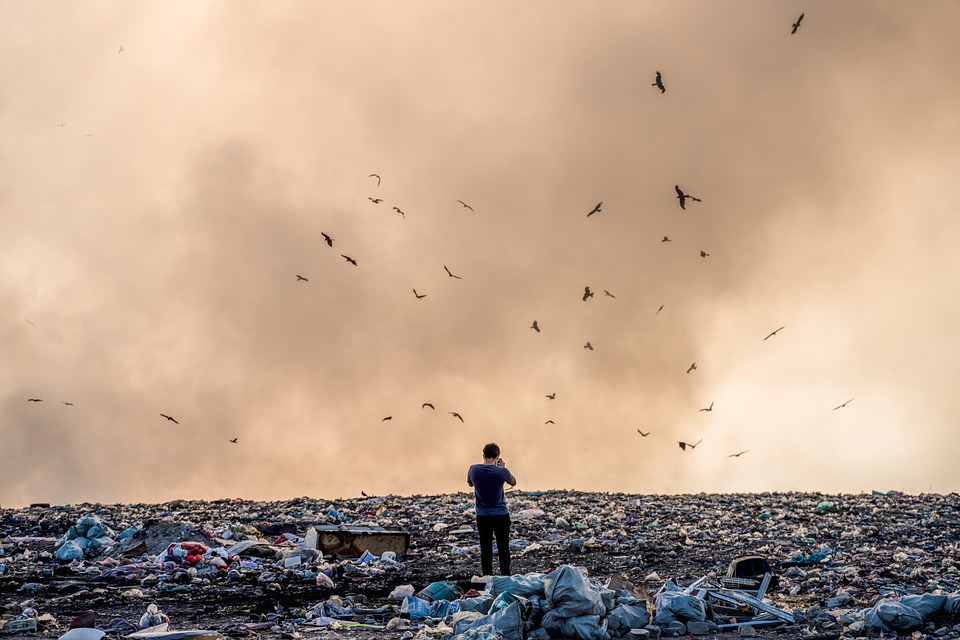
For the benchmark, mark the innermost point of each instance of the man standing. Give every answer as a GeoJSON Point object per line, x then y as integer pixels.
{"type": "Point", "coordinates": [493, 519]}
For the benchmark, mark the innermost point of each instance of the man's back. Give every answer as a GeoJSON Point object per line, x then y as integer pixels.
{"type": "Point", "coordinates": [487, 482]}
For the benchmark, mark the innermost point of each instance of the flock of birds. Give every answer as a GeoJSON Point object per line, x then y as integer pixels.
{"type": "Point", "coordinates": [682, 197]}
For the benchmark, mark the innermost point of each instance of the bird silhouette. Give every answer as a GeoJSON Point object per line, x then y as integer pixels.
{"type": "Point", "coordinates": [841, 406]}
{"type": "Point", "coordinates": [373, 175]}
{"type": "Point", "coordinates": [69, 404]}
{"type": "Point", "coordinates": [666, 239]}
{"type": "Point", "coordinates": [387, 418]}
{"type": "Point", "coordinates": [535, 326]}
{"type": "Point", "coordinates": [683, 197]}
{"type": "Point", "coordinates": [642, 433]}
{"type": "Point", "coordinates": [327, 239]}
{"type": "Point", "coordinates": [349, 259]}
{"type": "Point", "coordinates": [551, 396]}
{"type": "Point", "coordinates": [299, 278]}
{"type": "Point", "coordinates": [170, 418]}
{"type": "Point", "coordinates": [607, 293]}
{"type": "Point", "coordinates": [704, 254]}
{"type": "Point", "coordinates": [772, 333]}
{"type": "Point", "coordinates": [402, 214]}
{"type": "Point", "coordinates": [375, 200]}
{"type": "Point", "coordinates": [684, 445]}
{"type": "Point", "coordinates": [419, 295]}
{"type": "Point", "coordinates": [710, 408]}
{"type": "Point", "coordinates": [692, 367]}
{"type": "Point", "coordinates": [549, 422]}
{"type": "Point", "coordinates": [34, 399]}
{"type": "Point", "coordinates": [61, 124]}
{"type": "Point", "coordinates": [659, 83]}
{"type": "Point", "coordinates": [450, 274]}
{"type": "Point", "coordinates": [233, 440]}
{"type": "Point", "coordinates": [587, 293]}
{"type": "Point", "coordinates": [427, 404]}
{"type": "Point", "coordinates": [796, 25]}
{"type": "Point", "coordinates": [121, 50]}
{"type": "Point", "coordinates": [465, 205]}
{"type": "Point", "coordinates": [362, 494]}
{"type": "Point", "coordinates": [660, 309]}
{"type": "Point", "coordinates": [456, 415]}
{"type": "Point", "coordinates": [88, 135]}
{"type": "Point", "coordinates": [596, 209]}
{"type": "Point", "coordinates": [737, 455]}
{"type": "Point", "coordinates": [588, 346]}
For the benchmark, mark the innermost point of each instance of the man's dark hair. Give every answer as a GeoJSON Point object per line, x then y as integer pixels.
{"type": "Point", "coordinates": [491, 450]}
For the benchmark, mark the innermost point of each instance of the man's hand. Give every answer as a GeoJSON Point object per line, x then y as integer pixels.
{"type": "Point", "coordinates": [501, 463]}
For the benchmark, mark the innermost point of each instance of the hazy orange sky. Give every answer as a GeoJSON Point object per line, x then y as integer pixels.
{"type": "Point", "coordinates": [158, 202]}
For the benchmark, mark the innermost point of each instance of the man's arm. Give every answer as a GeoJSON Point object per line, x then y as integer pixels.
{"type": "Point", "coordinates": [510, 480]}
{"type": "Point", "coordinates": [469, 479]}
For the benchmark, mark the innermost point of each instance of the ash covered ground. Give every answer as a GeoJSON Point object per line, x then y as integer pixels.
{"type": "Point", "coordinates": [825, 549]}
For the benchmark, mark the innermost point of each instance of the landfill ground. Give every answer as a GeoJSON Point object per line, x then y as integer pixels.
{"type": "Point", "coordinates": [824, 550]}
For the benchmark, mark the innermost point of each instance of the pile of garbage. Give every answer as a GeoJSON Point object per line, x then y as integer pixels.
{"type": "Point", "coordinates": [271, 568]}
{"type": "Point", "coordinates": [88, 535]}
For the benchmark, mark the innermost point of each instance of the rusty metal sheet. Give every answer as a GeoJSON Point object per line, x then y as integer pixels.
{"type": "Point", "coordinates": [351, 542]}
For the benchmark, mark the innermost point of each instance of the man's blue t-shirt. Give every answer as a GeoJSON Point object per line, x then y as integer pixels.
{"type": "Point", "coordinates": [487, 482]}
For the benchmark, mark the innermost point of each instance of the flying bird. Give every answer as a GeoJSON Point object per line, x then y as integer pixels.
{"type": "Point", "coordinates": [588, 346]}
{"type": "Point", "coordinates": [170, 418]}
{"type": "Point", "coordinates": [419, 295]}
{"type": "Point", "coordinates": [796, 25]}
{"type": "Point", "coordinates": [402, 214]}
{"type": "Point", "coordinates": [456, 415]}
{"type": "Point", "coordinates": [349, 259]}
{"type": "Point", "coordinates": [121, 49]}
{"type": "Point", "coordinates": [596, 209]}
{"type": "Point", "coordinates": [642, 433]}
{"type": "Point", "coordinates": [841, 406]}
{"type": "Point", "coordinates": [704, 254]}
{"type": "Point", "coordinates": [607, 293]}
{"type": "Point", "coordinates": [34, 399]}
{"type": "Point", "coordinates": [660, 309]}
{"type": "Point", "coordinates": [375, 200]}
{"type": "Point", "coordinates": [69, 404]}
{"type": "Point", "coordinates": [659, 83]}
{"type": "Point", "coordinates": [587, 293]}
{"type": "Point", "coordinates": [772, 333]}
{"type": "Point", "coordinates": [684, 445]}
{"type": "Point", "coordinates": [450, 274]}
{"type": "Point", "coordinates": [737, 455]}
{"type": "Point", "coordinates": [710, 408]}
{"type": "Point", "coordinates": [61, 124]}
{"type": "Point", "coordinates": [327, 239]}
{"type": "Point", "coordinates": [300, 277]}
{"type": "Point", "coordinates": [427, 404]}
{"type": "Point", "coordinates": [666, 239]}
{"type": "Point", "coordinates": [551, 396]}
{"type": "Point", "coordinates": [233, 440]}
{"type": "Point", "coordinates": [373, 175]}
{"type": "Point", "coordinates": [549, 422]}
{"type": "Point", "coordinates": [683, 197]}
{"type": "Point", "coordinates": [535, 326]}
{"type": "Point", "coordinates": [387, 418]}
{"type": "Point", "coordinates": [692, 367]}
{"type": "Point", "coordinates": [465, 204]}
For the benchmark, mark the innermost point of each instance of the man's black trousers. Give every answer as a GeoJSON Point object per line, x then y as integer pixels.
{"type": "Point", "coordinates": [488, 527]}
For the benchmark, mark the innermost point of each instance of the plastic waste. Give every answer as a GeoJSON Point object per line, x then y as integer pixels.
{"type": "Point", "coordinates": [416, 608]}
